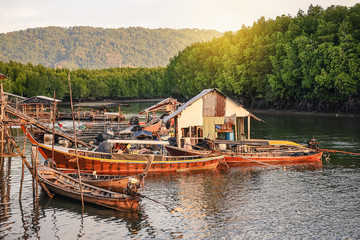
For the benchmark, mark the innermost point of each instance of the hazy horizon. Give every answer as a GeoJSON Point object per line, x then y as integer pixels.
{"type": "Point", "coordinates": [219, 15]}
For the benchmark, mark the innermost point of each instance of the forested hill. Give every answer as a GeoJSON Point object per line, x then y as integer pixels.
{"type": "Point", "coordinates": [308, 62]}
{"type": "Point", "coordinates": [97, 48]}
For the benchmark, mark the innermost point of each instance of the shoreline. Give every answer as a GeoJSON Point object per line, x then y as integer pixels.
{"type": "Point", "coordinates": [252, 110]}
{"type": "Point", "coordinates": [295, 112]}
{"type": "Point", "coordinates": [107, 101]}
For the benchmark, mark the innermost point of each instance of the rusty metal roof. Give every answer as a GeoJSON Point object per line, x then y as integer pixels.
{"type": "Point", "coordinates": [187, 104]}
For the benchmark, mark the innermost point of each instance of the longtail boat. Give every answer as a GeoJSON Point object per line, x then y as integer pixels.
{"type": "Point", "coordinates": [258, 152]}
{"type": "Point", "coordinates": [269, 152]}
{"type": "Point", "coordinates": [176, 151]}
{"type": "Point", "coordinates": [113, 183]}
{"type": "Point", "coordinates": [273, 158]}
{"type": "Point", "coordinates": [110, 182]}
{"type": "Point", "coordinates": [121, 163]}
{"type": "Point", "coordinates": [60, 183]}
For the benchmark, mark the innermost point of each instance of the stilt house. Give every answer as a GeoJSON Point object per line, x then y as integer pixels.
{"type": "Point", "coordinates": [39, 107]}
{"type": "Point", "coordinates": [210, 114]}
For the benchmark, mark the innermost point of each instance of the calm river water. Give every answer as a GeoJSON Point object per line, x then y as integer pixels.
{"type": "Point", "coordinates": [299, 202]}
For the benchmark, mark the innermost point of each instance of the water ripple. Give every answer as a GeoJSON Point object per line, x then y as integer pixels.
{"type": "Point", "coordinates": [300, 202]}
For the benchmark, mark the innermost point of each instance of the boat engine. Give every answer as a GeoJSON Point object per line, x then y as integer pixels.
{"type": "Point", "coordinates": [313, 144]}
{"type": "Point", "coordinates": [133, 184]}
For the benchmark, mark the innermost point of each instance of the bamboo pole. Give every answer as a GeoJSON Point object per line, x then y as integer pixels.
{"type": "Point", "coordinates": [76, 148]}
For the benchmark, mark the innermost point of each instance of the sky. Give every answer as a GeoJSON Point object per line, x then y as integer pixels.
{"type": "Point", "coordinates": [220, 15]}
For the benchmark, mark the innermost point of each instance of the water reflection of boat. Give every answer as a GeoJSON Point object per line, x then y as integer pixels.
{"type": "Point", "coordinates": [60, 206]}
{"type": "Point", "coordinates": [61, 203]}
{"type": "Point", "coordinates": [64, 185]}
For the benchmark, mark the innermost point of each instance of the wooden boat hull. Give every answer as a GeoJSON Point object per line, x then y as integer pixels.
{"type": "Point", "coordinates": [124, 166]}
{"type": "Point", "coordinates": [247, 159]}
{"type": "Point", "coordinates": [61, 184]}
{"type": "Point", "coordinates": [153, 127]}
{"type": "Point", "coordinates": [176, 151]}
{"type": "Point", "coordinates": [303, 155]}
{"type": "Point", "coordinates": [118, 164]}
{"type": "Point", "coordinates": [109, 182]}
{"type": "Point", "coordinates": [116, 204]}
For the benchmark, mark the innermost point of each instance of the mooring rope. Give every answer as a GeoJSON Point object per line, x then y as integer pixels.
{"type": "Point", "coordinates": [337, 151]}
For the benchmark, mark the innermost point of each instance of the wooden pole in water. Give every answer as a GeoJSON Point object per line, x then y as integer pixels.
{"type": "Point", "coordinates": [53, 142]}
{"type": "Point", "coordinates": [23, 168]}
{"type": "Point", "coordinates": [26, 163]}
{"type": "Point", "coordinates": [2, 144]}
{"type": "Point", "coordinates": [2, 126]}
{"type": "Point", "coordinates": [22, 179]}
{"type": "Point", "coordinates": [75, 140]}
{"type": "Point", "coordinates": [118, 128]}
{"type": "Point", "coordinates": [79, 116]}
{"type": "Point", "coordinates": [34, 165]}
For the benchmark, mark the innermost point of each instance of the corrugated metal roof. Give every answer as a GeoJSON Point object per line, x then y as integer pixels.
{"type": "Point", "coordinates": [187, 104]}
{"type": "Point", "coordinates": [17, 96]}
{"type": "Point", "coordinates": [49, 99]}
{"type": "Point", "coordinates": [40, 99]}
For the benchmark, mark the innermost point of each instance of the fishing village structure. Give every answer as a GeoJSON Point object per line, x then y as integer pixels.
{"type": "Point", "coordinates": [96, 118]}
{"type": "Point", "coordinates": [224, 125]}
{"type": "Point", "coordinates": [207, 115]}
{"type": "Point", "coordinates": [39, 107]}
{"type": "Point", "coordinates": [98, 112]}
{"type": "Point", "coordinates": [51, 180]}
{"type": "Point", "coordinates": [166, 107]}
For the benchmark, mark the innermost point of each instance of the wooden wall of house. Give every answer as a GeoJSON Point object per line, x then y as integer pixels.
{"type": "Point", "coordinates": [191, 116]}
{"type": "Point", "coordinates": [208, 111]}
